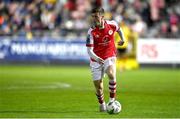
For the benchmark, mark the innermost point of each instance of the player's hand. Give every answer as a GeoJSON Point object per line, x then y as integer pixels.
{"type": "Point", "coordinates": [100, 60]}
{"type": "Point", "coordinates": [120, 42]}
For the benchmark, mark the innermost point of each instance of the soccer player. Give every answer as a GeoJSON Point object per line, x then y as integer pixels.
{"type": "Point", "coordinates": [102, 51]}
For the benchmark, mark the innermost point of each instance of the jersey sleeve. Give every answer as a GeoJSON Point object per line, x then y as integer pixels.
{"type": "Point", "coordinates": [115, 24]}
{"type": "Point", "coordinates": [89, 40]}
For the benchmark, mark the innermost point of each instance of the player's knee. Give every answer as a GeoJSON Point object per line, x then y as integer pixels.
{"type": "Point", "coordinates": [110, 73]}
{"type": "Point", "coordinates": [100, 88]}
{"type": "Point", "coordinates": [111, 76]}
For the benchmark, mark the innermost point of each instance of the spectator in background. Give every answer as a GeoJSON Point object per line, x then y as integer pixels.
{"type": "Point", "coordinates": [156, 7]}
{"type": "Point", "coordinates": [139, 26]}
{"type": "Point", "coordinates": [48, 19]}
{"type": "Point", "coordinates": [174, 20]}
{"type": "Point", "coordinates": [164, 30]}
{"type": "Point", "coordinates": [46, 16]}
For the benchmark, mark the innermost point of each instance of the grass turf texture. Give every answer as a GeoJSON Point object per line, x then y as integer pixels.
{"type": "Point", "coordinates": [60, 91]}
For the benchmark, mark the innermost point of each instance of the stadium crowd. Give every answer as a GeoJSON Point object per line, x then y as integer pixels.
{"type": "Point", "coordinates": [69, 18]}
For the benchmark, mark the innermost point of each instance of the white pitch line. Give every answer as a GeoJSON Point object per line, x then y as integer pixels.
{"type": "Point", "coordinates": [41, 86]}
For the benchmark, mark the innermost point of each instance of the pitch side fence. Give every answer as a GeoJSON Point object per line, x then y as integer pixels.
{"type": "Point", "coordinates": [43, 50]}
{"type": "Point", "coordinates": [67, 51]}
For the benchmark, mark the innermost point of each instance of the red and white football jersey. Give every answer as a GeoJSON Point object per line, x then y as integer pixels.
{"type": "Point", "coordinates": [102, 40]}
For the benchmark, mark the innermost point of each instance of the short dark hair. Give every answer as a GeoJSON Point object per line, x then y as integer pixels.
{"type": "Point", "coordinates": [98, 10]}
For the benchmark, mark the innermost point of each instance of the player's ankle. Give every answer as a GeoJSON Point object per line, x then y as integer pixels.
{"type": "Point", "coordinates": [111, 99]}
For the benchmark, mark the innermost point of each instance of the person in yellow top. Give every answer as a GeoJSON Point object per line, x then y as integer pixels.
{"type": "Point", "coordinates": [122, 49]}
{"type": "Point", "coordinates": [126, 58]}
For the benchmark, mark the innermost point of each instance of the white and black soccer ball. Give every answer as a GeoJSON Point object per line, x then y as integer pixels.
{"type": "Point", "coordinates": [113, 107]}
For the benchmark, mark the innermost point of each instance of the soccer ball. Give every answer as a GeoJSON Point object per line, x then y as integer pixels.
{"type": "Point", "coordinates": [113, 107]}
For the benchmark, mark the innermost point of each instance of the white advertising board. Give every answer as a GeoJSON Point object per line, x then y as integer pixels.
{"type": "Point", "coordinates": [158, 51]}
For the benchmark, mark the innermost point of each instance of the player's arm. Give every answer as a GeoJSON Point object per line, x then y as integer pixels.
{"type": "Point", "coordinates": [90, 46]}
{"type": "Point", "coordinates": [120, 32]}
{"type": "Point", "coordinates": [94, 56]}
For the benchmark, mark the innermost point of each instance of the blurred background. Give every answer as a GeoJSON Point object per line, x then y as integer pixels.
{"type": "Point", "coordinates": [54, 31]}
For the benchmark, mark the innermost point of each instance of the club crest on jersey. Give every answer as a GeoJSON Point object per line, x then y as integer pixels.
{"type": "Point", "coordinates": [97, 36]}
{"type": "Point", "coordinates": [110, 32]}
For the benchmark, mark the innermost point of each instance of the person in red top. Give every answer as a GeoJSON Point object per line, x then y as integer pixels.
{"type": "Point", "coordinates": [101, 48]}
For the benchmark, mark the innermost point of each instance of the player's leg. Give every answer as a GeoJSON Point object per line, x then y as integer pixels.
{"type": "Point", "coordinates": [99, 93]}
{"type": "Point", "coordinates": [97, 73]}
{"type": "Point", "coordinates": [112, 82]}
{"type": "Point", "coordinates": [99, 90]}
{"type": "Point", "coordinates": [110, 70]}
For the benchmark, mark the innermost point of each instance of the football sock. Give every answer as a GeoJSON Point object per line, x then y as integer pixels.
{"type": "Point", "coordinates": [112, 90]}
{"type": "Point", "coordinates": [100, 98]}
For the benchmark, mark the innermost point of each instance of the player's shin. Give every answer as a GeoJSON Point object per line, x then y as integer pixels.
{"type": "Point", "coordinates": [102, 106]}
{"type": "Point", "coordinates": [100, 98]}
{"type": "Point", "coordinates": [112, 90]}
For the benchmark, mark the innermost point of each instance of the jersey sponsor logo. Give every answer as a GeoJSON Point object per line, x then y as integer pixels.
{"type": "Point", "coordinates": [110, 32]}
{"type": "Point", "coordinates": [105, 40]}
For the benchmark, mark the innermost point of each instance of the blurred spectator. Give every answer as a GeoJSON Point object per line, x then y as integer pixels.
{"type": "Point", "coordinates": [164, 30]}
{"type": "Point", "coordinates": [139, 26]}
{"type": "Point", "coordinates": [149, 18]}
{"type": "Point", "coordinates": [48, 19]}
{"type": "Point", "coordinates": [156, 7]}
{"type": "Point", "coordinates": [174, 20]}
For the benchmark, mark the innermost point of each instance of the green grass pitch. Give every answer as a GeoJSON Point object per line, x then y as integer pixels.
{"type": "Point", "coordinates": [68, 92]}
